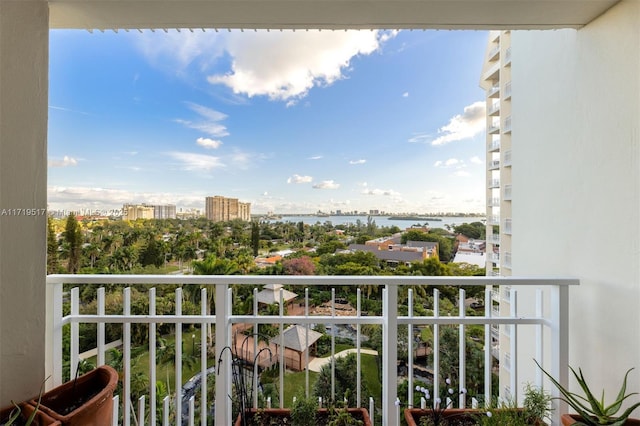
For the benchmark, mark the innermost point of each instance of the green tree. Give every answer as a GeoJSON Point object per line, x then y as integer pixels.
{"type": "Point", "coordinates": [52, 248]}
{"type": "Point", "coordinates": [475, 230]}
{"type": "Point", "coordinates": [255, 237]}
{"type": "Point", "coordinates": [73, 237]}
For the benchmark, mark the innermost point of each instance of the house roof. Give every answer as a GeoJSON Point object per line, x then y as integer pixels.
{"type": "Point", "coordinates": [295, 337]}
{"type": "Point", "coordinates": [270, 294]}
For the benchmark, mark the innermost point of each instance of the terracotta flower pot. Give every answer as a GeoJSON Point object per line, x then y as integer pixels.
{"type": "Point", "coordinates": [26, 409]}
{"type": "Point", "coordinates": [570, 419]}
{"type": "Point", "coordinates": [87, 401]}
{"type": "Point", "coordinates": [359, 413]}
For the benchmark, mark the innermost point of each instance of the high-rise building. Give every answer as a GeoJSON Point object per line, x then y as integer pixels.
{"type": "Point", "coordinates": [221, 209]}
{"type": "Point", "coordinates": [496, 80]}
{"type": "Point", "coordinates": [136, 211]}
{"type": "Point", "coordinates": [164, 211]}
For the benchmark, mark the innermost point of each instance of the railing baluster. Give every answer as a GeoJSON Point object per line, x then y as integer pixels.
{"type": "Point", "coordinates": [152, 359]}
{"type": "Point", "coordinates": [333, 345]}
{"type": "Point", "coordinates": [513, 342]}
{"type": "Point", "coordinates": [166, 410]}
{"type": "Point", "coordinates": [100, 327]}
{"type": "Point", "coordinates": [115, 410]}
{"type": "Point", "coordinates": [74, 344]}
{"type": "Point", "coordinates": [462, 351]}
{"type": "Point", "coordinates": [126, 358]}
{"type": "Point", "coordinates": [256, 333]}
{"type": "Point", "coordinates": [539, 335]}
{"type": "Point", "coordinates": [203, 358]}
{"type": "Point", "coordinates": [192, 411]}
{"type": "Point", "coordinates": [488, 346]}
{"type": "Point", "coordinates": [436, 346]}
{"type": "Point", "coordinates": [359, 355]}
{"type": "Point", "coordinates": [282, 348]}
{"type": "Point", "coordinates": [140, 417]}
{"type": "Point", "coordinates": [410, 348]}
{"type": "Point", "coordinates": [178, 359]}
{"type": "Point", "coordinates": [306, 370]}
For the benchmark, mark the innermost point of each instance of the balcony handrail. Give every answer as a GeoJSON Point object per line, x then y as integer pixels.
{"type": "Point", "coordinates": [224, 319]}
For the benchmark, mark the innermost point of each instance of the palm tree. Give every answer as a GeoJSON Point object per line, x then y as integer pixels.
{"type": "Point", "coordinates": [212, 265]}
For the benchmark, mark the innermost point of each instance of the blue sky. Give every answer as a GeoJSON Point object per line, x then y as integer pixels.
{"type": "Point", "coordinates": [292, 122]}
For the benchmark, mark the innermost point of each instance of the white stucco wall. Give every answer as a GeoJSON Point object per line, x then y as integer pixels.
{"type": "Point", "coordinates": [576, 181]}
{"type": "Point", "coordinates": [24, 39]}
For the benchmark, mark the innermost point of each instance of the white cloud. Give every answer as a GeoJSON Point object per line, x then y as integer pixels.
{"type": "Point", "coordinates": [316, 157]}
{"type": "Point", "coordinates": [449, 163]}
{"type": "Point", "coordinates": [384, 192]}
{"type": "Point", "coordinates": [420, 138]}
{"type": "Point", "coordinates": [79, 197]}
{"type": "Point", "coordinates": [463, 126]}
{"type": "Point", "coordinates": [286, 65]}
{"type": "Point", "coordinates": [326, 184]}
{"type": "Point", "coordinates": [208, 122]}
{"type": "Point", "coordinates": [299, 179]}
{"type": "Point", "coordinates": [475, 160]}
{"type": "Point", "coordinates": [405, 95]}
{"type": "Point", "coordinates": [197, 162]}
{"type": "Point", "coordinates": [361, 161]}
{"type": "Point", "coordinates": [65, 162]}
{"type": "Point", "coordinates": [208, 143]}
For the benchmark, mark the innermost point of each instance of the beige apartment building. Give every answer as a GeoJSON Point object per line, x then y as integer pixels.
{"type": "Point", "coordinates": [496, 80]}
{"type": "Point", "coordinates": [222, 209]}
{"type": "Point", "coordinates": [148, 211]}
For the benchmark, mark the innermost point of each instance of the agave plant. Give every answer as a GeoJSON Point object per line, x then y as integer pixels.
{"type": "Point", "coordinates": [592, 410]}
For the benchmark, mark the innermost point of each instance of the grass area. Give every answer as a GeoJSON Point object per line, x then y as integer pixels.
{"type": "Point", "coordinates": [295, 383]}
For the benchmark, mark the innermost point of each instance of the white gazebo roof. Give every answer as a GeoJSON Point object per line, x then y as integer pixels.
{"type": "Point", "coordinates": [270, 294]}
{"type": "Point", "coordinates": [296, 338]}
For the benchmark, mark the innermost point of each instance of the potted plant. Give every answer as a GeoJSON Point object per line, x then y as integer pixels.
{"type": "Point", "coordinates": [439, 412]}
{"type": "Point", "coordinates": [534, 411]}
{"type": "Point", "coordinates": [590, 410]}
{"type": "Point", "coordinates": [25, 414]}
{"type": "Point", "coordinates": [84, 401]}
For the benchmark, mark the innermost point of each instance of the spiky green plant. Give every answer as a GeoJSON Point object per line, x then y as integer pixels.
{"type": "Point", "coordinates": [592, 410]}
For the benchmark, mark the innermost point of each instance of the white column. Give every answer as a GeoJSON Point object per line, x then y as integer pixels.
{"type": "Point", "coordinates": [24, 50]}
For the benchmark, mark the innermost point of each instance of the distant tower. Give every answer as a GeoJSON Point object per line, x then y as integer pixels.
{"type": "Point", "coordinates": [222, 209]}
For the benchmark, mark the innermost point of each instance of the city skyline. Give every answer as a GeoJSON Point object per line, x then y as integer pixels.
{"type": "Point", "coordinates": [291, 122]}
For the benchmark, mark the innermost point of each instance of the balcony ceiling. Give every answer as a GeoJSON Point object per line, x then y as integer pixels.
{"type": "Point", "coordinates": [325, 14]}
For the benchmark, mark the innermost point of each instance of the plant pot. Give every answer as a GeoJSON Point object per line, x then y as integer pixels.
{"type": "Point", "coordinates": [285, 413]}
{"type": "Point", "coordinates": [86, 401]}
{"type": "Point", "coordinates": [26, 409]}
{"type": "Point", "coordinates": [570, 419]}
{"type": "Point", "coordinates": [462, 416]}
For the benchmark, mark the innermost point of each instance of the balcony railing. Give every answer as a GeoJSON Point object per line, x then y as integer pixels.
{"type": "Point", "coordinates": [494, 109]}
{"type": "Point", "coordinates": [397, 300]}
{"type": "Point", "coordinates": [494, 145]}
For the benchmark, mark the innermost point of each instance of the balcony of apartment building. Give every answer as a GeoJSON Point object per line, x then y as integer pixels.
{"type": "Point", "coordinates": [220, 331]}
{"type": "Point", "coordinates": [507, 125]}
{"type": "Point", "coordinates": [507, 158]}
{"type": "Point", "coordinates": [493, 202]}
{"type": "Point", "coordinates": [602, 36]}
{"type": "Point", "coordinates": [494, 53]}
{"type": "Point", "coordinates": [494, 109]}
{"type": "Point", "coordinates": [494, 91]}
{"type": "Point", "coordinates": [494, 128]}
{"type": "Point", "coordinates": [508, 190]}
{"type": "Point", "coordinates": [494, 145]}
{"type": "Point", "coordinates": [493, 183]}
{"type": "Point", "coordinates": [507, 226]}
{"type": "Point", "coordinates": [507, 90]}
{"type": "Point", "coordinates": [507, 57]}
{"type": "Point", "coordinates": [494, 165]}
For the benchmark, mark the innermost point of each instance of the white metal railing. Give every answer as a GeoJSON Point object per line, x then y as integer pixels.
{"type": "Point", "coordinates": [555, 325]}
{"type": "Point", "coordinates": [493, 52]}
{"type": "Point", "coordinates": [507, 90]}
{"type": "Point", "coordinates": [508, 189]}
{"type": "Point", "coordinates": [507, 226]}
{"type": "Point", "coordinates": [507, 124]}
{"type": "Point", "coordinates": [507, 56]}
{"type": "Point", "coordinates": [494, 145]}
{"type": "Point", "coordinates": [494, 183]}
{"type": "Point", "coordinates": [507, 158]}
{"type": "Point", "coordinates": [494, 164]}
{"type": "Point", "coordinates": [493, 90]}
{"type": "Point", "coordinates": [494, 128]}
{"type": "Point", "coordinates": [494, 108]}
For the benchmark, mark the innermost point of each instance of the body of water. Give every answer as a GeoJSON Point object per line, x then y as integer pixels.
{"type": "Point", "coordinates": [380, 220]}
